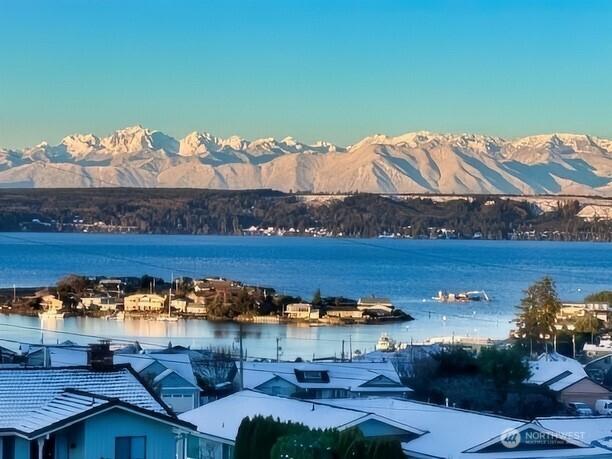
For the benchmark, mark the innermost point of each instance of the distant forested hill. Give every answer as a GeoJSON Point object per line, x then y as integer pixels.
{"type": "Point", "coordinates": [196, 211]}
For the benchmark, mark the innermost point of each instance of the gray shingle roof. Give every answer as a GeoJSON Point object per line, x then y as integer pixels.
{"type": "Point", "coordinates": [23, 391]}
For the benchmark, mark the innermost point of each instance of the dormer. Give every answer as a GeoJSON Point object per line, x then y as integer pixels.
{"type": "Point", "coordinates": [312, 375]}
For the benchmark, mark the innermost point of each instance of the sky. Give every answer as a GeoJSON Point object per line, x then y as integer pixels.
{"type": "Point", "coordinates": [332, 70]}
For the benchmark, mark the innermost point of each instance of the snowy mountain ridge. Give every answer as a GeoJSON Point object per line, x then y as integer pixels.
{"type": "Point", "coordinates": [415, 162]}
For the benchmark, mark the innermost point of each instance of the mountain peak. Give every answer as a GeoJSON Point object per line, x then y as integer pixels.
{"type": "Point", "coordinates": [420, 161]}
{"type": "Point", "coordinates": [197, 143]}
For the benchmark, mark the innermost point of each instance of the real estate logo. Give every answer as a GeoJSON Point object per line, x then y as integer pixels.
{"type": "Point", "coordinates": [510, 438]}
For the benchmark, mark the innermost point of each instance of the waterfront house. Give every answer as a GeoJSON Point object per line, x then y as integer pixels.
{"type": "Point", "coordinates": [375, 305]}
{"type": "Point", "coordinates": [179, 304]}
{"type": "Point", "coordinates": [600, 370]}
{"type": "Point", "coordinates": [51, 303]}
{"type": "Point", "coordinates": [85, 413]}
{"type": "Point", "coordinates": [424, 430]}
{"type": "Point", "coordinates": [113, 286]}
{"type": "Point", "coordinates": [197, 309]}
{"type": "Point", "coordinates": [101, 302]}
{"type": "Point", "coordinates": [345, 312]}
{"type": "Point", "coordinates": [570, 311]}
{"type": "Point", "coordinates": [566, 378]}
{"type": "Point", "coordinates": [301, 311]}
{"type": "Point", "coordinates": [324, 379]}
{"type": "Point", "coordinates": [170, 375]}
{"type": "Point", "coordinates": [144, 302]}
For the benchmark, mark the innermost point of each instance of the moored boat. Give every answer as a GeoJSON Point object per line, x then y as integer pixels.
{"type": "Point", "coordinates": [462, 297]}
{"type": "Point", "coordinates": [385, 343]}
{"type": "Point", "coordinates": [51, 315]}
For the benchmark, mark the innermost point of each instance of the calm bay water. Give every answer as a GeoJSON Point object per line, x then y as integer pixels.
{"type": "Point", "coordinates": [409, 272]}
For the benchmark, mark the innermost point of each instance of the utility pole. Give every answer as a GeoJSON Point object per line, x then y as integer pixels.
{"type": "Point", "coordinates": [241, 360]}
{"type": "Point", "coordinates": [350, 348]}
{"type": "Point", "coordinates": [342, 355]}
{"type": "Point", "coordinates": [277, 349]}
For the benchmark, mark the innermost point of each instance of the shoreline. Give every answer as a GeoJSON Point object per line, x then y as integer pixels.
{"type": "Point", "coordinates": [257, 320]}
{"type": "Point", "coordinates": [12, 235]}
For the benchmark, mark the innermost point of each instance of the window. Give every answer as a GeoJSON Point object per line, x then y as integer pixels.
{"type": "Point", "coordinates": [228, 451]}
{"type": "Point", "coordinates": [130, 448]}
{"type": "Point", "coordinates": [8, 448]}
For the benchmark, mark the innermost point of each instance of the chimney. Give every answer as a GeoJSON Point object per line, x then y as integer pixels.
{"type": "Point", "coordinates": [99, 356]}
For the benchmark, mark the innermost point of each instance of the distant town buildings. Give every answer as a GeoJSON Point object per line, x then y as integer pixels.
{"type": "Point", "coordinates": [144, 302]}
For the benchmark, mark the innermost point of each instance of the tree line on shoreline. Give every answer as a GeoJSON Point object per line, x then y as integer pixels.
{"type": "Point", "coordinates": [189, 211]}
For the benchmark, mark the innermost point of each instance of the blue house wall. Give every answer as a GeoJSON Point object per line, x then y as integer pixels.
{"type": "Point", "coordinates": [95, 437]}
{"type": "Point", "coordinates": [101, 431]}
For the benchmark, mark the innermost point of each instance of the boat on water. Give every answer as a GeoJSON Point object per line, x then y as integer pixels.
{"type": "Point", "coordinates": [168, 318]}
{"type": "Point", "coordinates": [463, 297]}
{"type": "Point", "coordinates": [386, 343]}
{"type": "Point", "coordinates": [119, 315]}
{"type": "Point", "coordinates": [51, 315]}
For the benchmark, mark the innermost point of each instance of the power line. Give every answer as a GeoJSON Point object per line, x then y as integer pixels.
{"type": "Point", "coordinates": [446, 257]}
{"type": "Point", "coordinates": [101, 255]}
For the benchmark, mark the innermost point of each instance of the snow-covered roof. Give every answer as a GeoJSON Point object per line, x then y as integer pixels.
{"type": "Point", "coordinates": [555, 371]}
{"type": "Point", "coordinates": [67, 356]}
{"type": "Point", "coordinates": [167, 372]}
{"type": "Point", "coordinates": [437, 432]}
{"type": "Point", "coordinates": [71, 406]}
{"type": "Point", "coordinates": [454, 433]}
{"type": "Point", "coordinates": [448, 430]}
{"type": "Point", "coordinates": [64, 405]}
{"type": "Point", "coordinates": [221, 419]}
{"type": "Point", "coordinates": [180, 363]}
{"type": "Point", "coordinates": [593, 430]}
{"type": "Point", "coordinates": [345, 375]}
{"type": "Point", "coordinates": [22, 391]}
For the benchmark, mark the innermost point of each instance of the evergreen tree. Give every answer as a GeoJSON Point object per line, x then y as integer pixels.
{"type": "Point", "coordinates": [316, 299]}
{"type": "Point", "coordinates": [604, 296]}
{"type": "Point", "coordinates": [538, 315]}
{"type": "Point", "coordinates": [588, 323]}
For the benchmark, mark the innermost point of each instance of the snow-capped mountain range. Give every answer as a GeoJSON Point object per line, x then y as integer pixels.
{"type": "Point", "coordinates": [417, 162]}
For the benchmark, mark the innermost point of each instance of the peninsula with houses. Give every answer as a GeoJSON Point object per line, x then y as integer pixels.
{"type": "Point", "coordinates": [212, 298]}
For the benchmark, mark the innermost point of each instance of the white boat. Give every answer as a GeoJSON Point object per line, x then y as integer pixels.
{"type": "Point", "coordinates": [119, 315]}
{"type": "Point", "coordinates": [463, 297]}
{"type": "Point", "coordinates": [168, 318]}
{"type": "Point", "coordinates": [385, 343]}
{"type": "Point", "coordinates": [50, 315]}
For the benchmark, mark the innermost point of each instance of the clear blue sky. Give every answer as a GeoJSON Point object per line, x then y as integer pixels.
{"type": "Point", "coordinates": [337, 70]}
